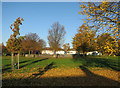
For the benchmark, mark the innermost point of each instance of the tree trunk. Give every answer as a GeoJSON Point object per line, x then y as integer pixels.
{"type": "Point", "coordinates": [24, 54]}
{"type": "Point", "coordinates": [39, 53]}
{"type": "Point", "coordinates": [56, 55]}
{"type": "Point", "coordinates": [18, 60]}
{"type": "Point", "coordinates": [29, 52]}
{"type": "Point", "coordinates": [83, 53]}
{"type": "Point", "coordinates": [12, 61]}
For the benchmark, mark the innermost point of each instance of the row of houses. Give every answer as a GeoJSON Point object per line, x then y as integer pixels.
{"type": "Point", "coordinates": [70, 51]}
{"type": "Point", "coordinates": [58, 52]}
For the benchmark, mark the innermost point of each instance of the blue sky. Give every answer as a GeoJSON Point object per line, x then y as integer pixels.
{"type": "Point", "coordinates": [39, 16]}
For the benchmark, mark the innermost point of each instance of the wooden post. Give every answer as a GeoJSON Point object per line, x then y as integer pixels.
{"type": "Point", "coordinates": [12, 61]}
{"type": "Point", "coordinates": [18, 60]}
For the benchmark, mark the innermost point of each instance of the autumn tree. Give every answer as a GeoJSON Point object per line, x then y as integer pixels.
{"type": "Point", "coordinates": [66, 47]}
{"type": "Point", "coordinates": [29, 43]}
{"type": "Point", "coordinates": [40, 45]}
{"type": "Point", "coordinates": [118, 51]}
{"type": "Point", "coordinates": [56, 36]}
{"type": "Point", "coordinates": [14, 42]}
{"type": "Point", "coordinates": [104, 17]}
{"type": "Point", "coordinates": [84, 40]}
{"type": "Point", "coordinates": [107, 44]}
{"type": "Point", "coordinates": [4, 49]}
{"type": "Point", "coordinates": [33, 42]}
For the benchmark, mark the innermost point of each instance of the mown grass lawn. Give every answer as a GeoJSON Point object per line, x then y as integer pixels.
{"type": "Point", "coordinates": [32, 68]}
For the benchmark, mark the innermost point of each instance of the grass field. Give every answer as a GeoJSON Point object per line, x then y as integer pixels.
{"type": "Point", "coordinates": [42, 71]}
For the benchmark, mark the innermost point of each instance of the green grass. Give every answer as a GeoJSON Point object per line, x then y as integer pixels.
{"type": "Point", "coordinates": [31, 70]}
{"type": "Point", "coordinates": [30, 63]}
{"type": "Point", "coordinates": [100, 61]}
{"type": "Point", "coordinates": [26, 63]}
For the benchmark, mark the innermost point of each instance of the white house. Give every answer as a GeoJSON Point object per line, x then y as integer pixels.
{"type": "Point", "coordinates": [89, 53]}
{"type": "Point", "coordinates": [60, 52]}
{"type": "Point", "coordinates": [48, 50]}
{"type": "Point", "coordinates": [93, 53]}
{"type": "Point", "coordinates": [51, 52]}
{"type": "Point", "coordinates": [71, 51]}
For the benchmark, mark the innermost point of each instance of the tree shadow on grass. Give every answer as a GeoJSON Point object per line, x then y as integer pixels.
{"type": "Point", "coordinates": [42, 71]}
{"type": "Point", "coordinates": [97, 80]}
{"type": "Point", "coordinates": [33, 62]}
{"type": "Point", "coordinates": [90, 79]}
{"type": "Point", "coordinates": [19, 62]}
{"type": "Point", "coordinates": [99, 62]}
{"type": "Point", "coordinates": [8, 69]}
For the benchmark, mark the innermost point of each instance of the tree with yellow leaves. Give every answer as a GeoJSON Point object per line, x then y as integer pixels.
{"type": "Point", "coordinates": [104, 17]}
{"type": "Point", "coordinates": [118, 53]}
{"type": "Point", "coordinates": [14, 42]}
{"type": "Point", "coordinates": [105, 14]}
{"type": "Point", "coordinates": [84, 40]}
{"type": "Point", "coordinates": [107, 44]}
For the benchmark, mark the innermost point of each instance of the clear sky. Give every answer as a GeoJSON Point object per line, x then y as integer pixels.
{"type": "Point", "coordinates": [39, 16]}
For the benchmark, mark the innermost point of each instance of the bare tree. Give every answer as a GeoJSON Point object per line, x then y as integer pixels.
{"type": "Point", "coordinates": [56, 36]}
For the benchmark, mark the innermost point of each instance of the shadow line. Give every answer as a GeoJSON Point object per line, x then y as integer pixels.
{"type": "Point", "coordinates": [42, 71]}
{"type": "Point", "coordinates": [98, 80]}
{"type": "Point", "coordinates": [33, 62]}
{"type": "Point", "coordinates": [90, 80]}
{"type": "Point", "coordinates": [99, 62]}
{"type": "Point", "coordinates": [8, 69]}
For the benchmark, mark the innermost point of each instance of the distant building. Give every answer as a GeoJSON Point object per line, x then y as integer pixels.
{"type": "Point", "coordinates": [71, 51]}
{"type": "Point", "coordinates": [93, 53]}
{"type": "Point", "coordinates": [89, 53]}
{"type": "Point", "coordinates": [48, 50]}
{"type": "Point", "coordinates": [60, 52]}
